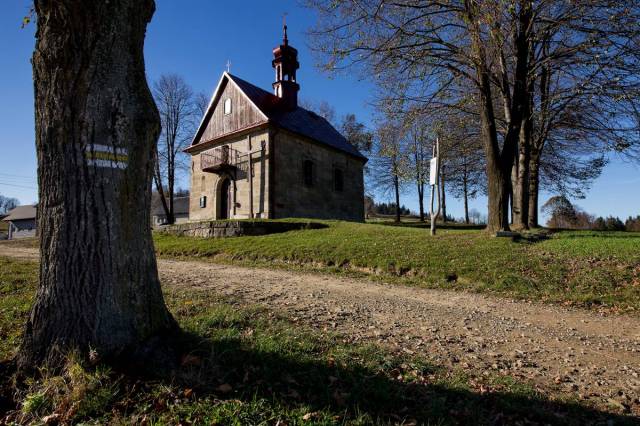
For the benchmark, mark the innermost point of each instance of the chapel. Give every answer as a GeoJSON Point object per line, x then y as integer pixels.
{"type": "Point", "coordinates": [258, 154]}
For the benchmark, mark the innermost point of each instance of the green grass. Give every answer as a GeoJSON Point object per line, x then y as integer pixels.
{"type": "Point", "coordinates": [597, 245]}
{"type": "Point", "coordinates": [247, 365]}
{"type": "Point", "coordinates": [17, 287]}
{"type": "Point", "coordinates": [589, 269]}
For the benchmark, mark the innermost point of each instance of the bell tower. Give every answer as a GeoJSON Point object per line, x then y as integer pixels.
{"type": "Point", "coordinates": [285, 62]}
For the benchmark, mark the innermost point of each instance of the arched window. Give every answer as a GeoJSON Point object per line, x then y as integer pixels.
{"type": "Point", "coordinates": [307, 172]}
{"type": "Point", "coordinates": [227, 106]}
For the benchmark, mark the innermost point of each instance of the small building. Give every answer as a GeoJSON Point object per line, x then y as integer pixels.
{"type": "Point", "coordinates": [258, 154]}
{"type": "Point", "coordinates": [180, 210]}
{"type": "Point", "coordinates": [22, 222]}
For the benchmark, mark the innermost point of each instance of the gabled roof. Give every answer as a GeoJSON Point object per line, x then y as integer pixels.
{"type": "Point", "coordinates": [298, 120]}
{"type": "Point", "coordinates": [21, 213]}
{"type": "Point", "coordinates": [180, 205]}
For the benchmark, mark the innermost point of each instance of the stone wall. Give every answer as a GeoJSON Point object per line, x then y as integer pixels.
{"type": "Point", "coordinates": [235, 228]}
{"type": "Point", "coordinates": [292, 198]}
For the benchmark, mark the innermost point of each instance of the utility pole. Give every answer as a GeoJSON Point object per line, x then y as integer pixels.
{"type": "Point", "coordinates": [434, 176]}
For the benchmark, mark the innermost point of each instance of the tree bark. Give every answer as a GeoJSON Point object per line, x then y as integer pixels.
{"type": "Point", "coordinates": [157, 179]}
{"type": "Point", "coordinates": [444, 197]}
{"type": "Point", "coordinates": [396, 187]}
{"type": "Point", "coordinates": [534, 188]}
{"type": "Point", "coordinates": [421, 200]}
{"type": "Point", "coordinates": [500, 159]}
{"type": "Point", "coordinates": [96, 129]}
{"type": "Point", "coordinates": [497, 178]}
{"type": "Point", "coordinates": [419, 161]}
{"type": "Point", "coordinates": [521, 188]}
{"type": "Point", "coordinates": [466, 198]}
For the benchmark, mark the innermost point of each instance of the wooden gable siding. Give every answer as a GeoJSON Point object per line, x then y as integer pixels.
{"type": "Point", "coordinates": [243, 114]}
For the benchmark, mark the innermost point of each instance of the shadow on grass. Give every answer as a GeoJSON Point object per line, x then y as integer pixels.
{"type": "Point", "coordinates": [344, 390]}
{"type": "Point", "coordinates": [427, 225]}
{"type": "Point", "coordinates": [572, 233]}
{"type": "Point", "coordinates": [229, 380]}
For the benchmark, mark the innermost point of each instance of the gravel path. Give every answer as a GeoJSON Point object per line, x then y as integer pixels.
{"type": "Point", "coordinates": [583, 354]}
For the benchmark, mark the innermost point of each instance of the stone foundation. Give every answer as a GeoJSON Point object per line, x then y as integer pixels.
{"type": "Point", "coordinates": [235, 228]}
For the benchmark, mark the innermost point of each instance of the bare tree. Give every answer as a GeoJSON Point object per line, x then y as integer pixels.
{"type": "Point", "coordinates": [425, 46]}
{"type": "Point", "coordinates": [356, 133]}
{"type": "Point", "coordinates": [562, 213]}
{"type": "Point", "coordinates": [200, 103]}
{"type": "Point", "coordinates": [8, 203]}
{"type": "Point", "coordinates": [322, 108]}
{"type": "Point", "coordinates": [465, 160]}
{"type": "Point", "coordinates": [178, 113]}
{"type": "Point", "coordinates": [418, 142]}
{"type": "Point", "coordinates": [96, 129]}
{"type": "Point", "coordinates": [436, 52]}
{"type": "Point", "coordinates": [388, 168]}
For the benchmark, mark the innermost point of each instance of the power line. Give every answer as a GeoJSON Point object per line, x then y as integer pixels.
{"type": "Point", "coordinates": [17, 176]}
{"type": "Point", "coordinates": [18, 186]}
{"type": "Point", "coordinates": [17, 180]}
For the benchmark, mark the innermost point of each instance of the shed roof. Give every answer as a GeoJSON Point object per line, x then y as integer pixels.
{"type": "Point", "coordinates": [180, 205]}
{"type": "Point", "coordinates": [21, 213]}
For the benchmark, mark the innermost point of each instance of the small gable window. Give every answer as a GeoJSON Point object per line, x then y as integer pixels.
{"type": "Point", "coordinates": [227, 106]}
{"type": "Point", "coordinates": [307, 172]}
{"type": "Point", "coordinates": [338, 180]}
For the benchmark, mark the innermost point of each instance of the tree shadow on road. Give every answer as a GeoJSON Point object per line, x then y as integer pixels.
{"type": "Point", "coordinates": [360, 385]}
{"type": "Point", "coordinates": [240, 365]}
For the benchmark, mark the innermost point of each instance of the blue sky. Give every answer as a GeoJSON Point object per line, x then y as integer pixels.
{"type": "Point", "coordinates": [196, 38]}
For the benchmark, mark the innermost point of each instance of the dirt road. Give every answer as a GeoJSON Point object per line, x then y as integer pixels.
{"type": "Point", "coordinates": [581, 353]}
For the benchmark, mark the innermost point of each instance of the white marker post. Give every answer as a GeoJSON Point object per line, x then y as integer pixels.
{"type": "Point", "coordinates": [434, 177]}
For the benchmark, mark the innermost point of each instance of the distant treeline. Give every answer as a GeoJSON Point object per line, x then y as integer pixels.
{"type": "Point", "coordinates": [615, 224]}
{"type": "Point", "coordinates": [564, 214]}
{"type": "Point", "coordinates": [389, 209]}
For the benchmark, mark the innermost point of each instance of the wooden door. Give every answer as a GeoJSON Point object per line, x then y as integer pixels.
{"type": "Point", "coordinates": [225, 199]}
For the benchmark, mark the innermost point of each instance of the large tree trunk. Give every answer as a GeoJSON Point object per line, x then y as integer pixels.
{"type": "Point", "coordinates": [515, 207]}
{"type": "Point", "coordinates": [534, 188]}
{"type": "Point", "coordinates": [498, 184]}
{"type": "Point", "coordinates": [521, 189]}
{"type": "Point", "coordinates": [500, 159]}
{"type": "Point", "coordinates": [96, 126]}
{"type": "Point", "coordinates": [520, 182]}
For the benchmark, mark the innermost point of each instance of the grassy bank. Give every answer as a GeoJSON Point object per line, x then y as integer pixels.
{"type": "Point", "coordinates": [584, 268]}
{"type": "Point", "coordinates": [246, 365]}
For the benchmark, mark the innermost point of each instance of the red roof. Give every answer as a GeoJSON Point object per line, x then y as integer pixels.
{"type": "Point", "coordinates": [298, 120]}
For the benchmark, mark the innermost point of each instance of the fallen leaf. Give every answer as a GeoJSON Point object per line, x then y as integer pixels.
{"type": "Point", "coordinates": [310, 416]}
{"type": "Point", "coordinates": [51, 419]}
